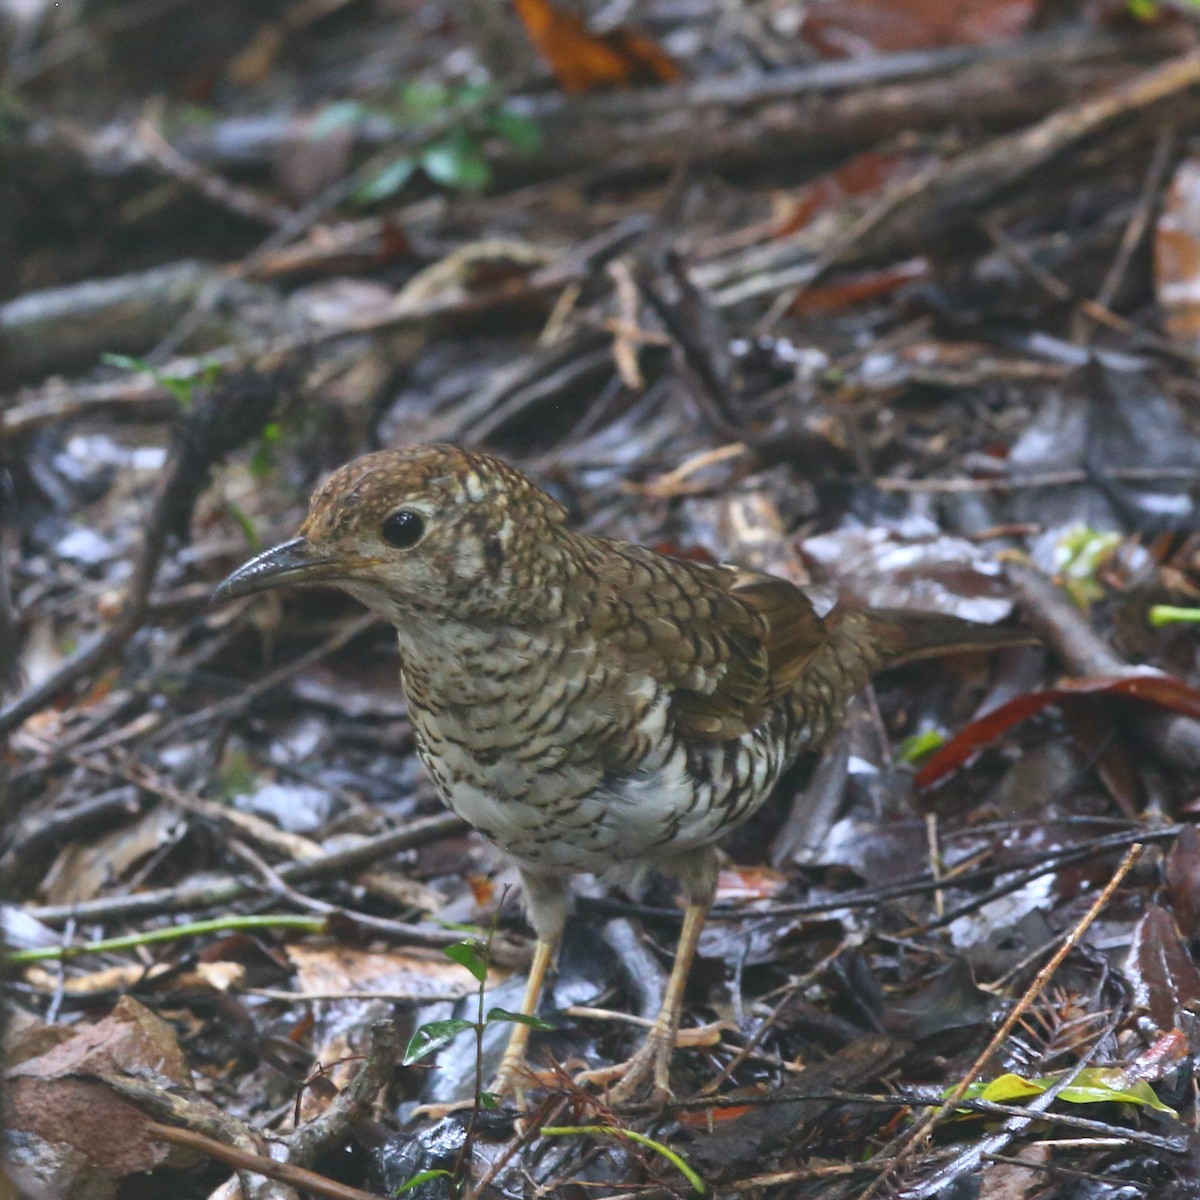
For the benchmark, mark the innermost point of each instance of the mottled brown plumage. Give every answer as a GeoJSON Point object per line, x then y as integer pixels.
{"type": "Point", "coordinates": [588, 704]}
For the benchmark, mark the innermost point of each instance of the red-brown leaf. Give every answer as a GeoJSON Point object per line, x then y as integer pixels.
{"type": "Point", "coordinates": [1163, 691]}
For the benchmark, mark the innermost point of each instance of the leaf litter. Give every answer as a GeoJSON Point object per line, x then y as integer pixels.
{"type": "Point", "coordinates": [891, 301]}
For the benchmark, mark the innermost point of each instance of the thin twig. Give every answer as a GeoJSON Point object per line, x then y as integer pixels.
{"type": "Point", "coordinates": [227, 889]}
{"type": "Point", "coordinates": [920, 1135]}
{"type": "Point", "coordinates": [299, 1177]}
{"type": "Point", "coordinates": [1135, 231]}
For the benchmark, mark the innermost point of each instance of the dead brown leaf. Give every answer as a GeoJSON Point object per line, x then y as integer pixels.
{"type": "Point", "coordinates": [583, 61]}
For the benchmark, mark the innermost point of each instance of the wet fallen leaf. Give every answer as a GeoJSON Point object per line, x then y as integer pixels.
{"type": "Point", "coordinates": [1163, 1056]}
{"type": "Point", "coordinates": [1008, 1181]}
{"type": "Point", "coordinates": [703, 1118]}
{"type": "Point", "coordinates": [1162, 691]}
{"type": "Point", "coordinates": [583, 61]}
{"type": "Point", "coordinates": [1160, 971]}
{"type": "Point", "coordinates": [856, 28]}
{"type": "Point", "coordinates": [340, 970]}
{"type": "Point", "coordinates": [1182, 873]}
{"type": "Point", "coordinates": [880, 567]}
{"type": "Point", "coordinates": [1100, 740]}
{"type": "Point", "coordinates": [95, 983]}
{"type": "Point", "coordinates": [85, 869]}
{"type": "Point", "coordinates": [951, 1000]}
{"type": "Point", "coordinates": [857, 176]}
{"type": "Point", "coordinates": [858, 286]}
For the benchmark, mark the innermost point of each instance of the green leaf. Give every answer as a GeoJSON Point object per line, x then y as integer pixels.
{"type": "Point", "coordinates": [1093, 1085]}
{"type": "Point", "coordinates": [515, 129]}
{"type": "Point", "coordinates": [433, 1036]}
{"type": "Point", "coordinates": [264, 454]}
{"type": "Point", "coordinates": [1169, 614]}
{"type": "Point", "coordinates": [1100, 1085]}
{"type": "Point", "coordinates": [420, 1178]}
{"type": "Point", "coordinates": [456, 162]}
{"type": "Point", "coordinates": [469, 954]}
{"type": "Point", "coordinates": [127, 362]}
{"type": "Point", "coordinates": [471, 95]}
{"type": "Point", "coordinates": [180, 386]}
{"type": "Point", "coordinates": [503, 1014]}
{"type": "Point", "coordinates": [333, 117]}
{"type": "Point", "coordinates": [921, 745]}
{"type": "Point", "coordinates": [425, 99]}
{"type": "Point", "coordinates": [1079, 557]}
{"type": "Point", "coordinates": [386, 182]}
{"type": "Point", "coordinates": [489, 1100]}
{"type": "Point", "coordinates": [461, 927]}
{"type": "Point", "coordinates": [1004, 1089]}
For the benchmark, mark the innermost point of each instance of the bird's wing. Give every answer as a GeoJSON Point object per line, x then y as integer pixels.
{"type": "Point", "coordinates": [794, 631]}
{"type": "Point", "coordinates": [728, 642]}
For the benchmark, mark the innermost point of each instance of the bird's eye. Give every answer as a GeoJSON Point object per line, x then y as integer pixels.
{"type": "Point", "coordinates": [403, 528]}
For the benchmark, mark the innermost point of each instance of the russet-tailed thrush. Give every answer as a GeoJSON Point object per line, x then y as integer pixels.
{"type": "Point", "coordinates": [587, 704]}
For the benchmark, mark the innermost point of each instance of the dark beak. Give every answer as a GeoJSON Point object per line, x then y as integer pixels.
{"type": "Point", "coordinates": [292, 562]}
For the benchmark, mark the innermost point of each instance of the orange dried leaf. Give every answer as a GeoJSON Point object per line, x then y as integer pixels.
{"type": "Point", "coordinates": [714, 1116]}
{"type": "Point", "coordinates": [483, 891]}
{"type": "Point", "coordinates": [859, 175]}
{"type": "Point", "coordinates": [583, 61]}
{"type": "Point", "coordinates": [857, 287]}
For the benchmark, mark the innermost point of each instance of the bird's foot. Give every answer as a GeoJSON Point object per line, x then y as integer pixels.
{"type": "Point", "coordinates": [627, 1081]}
{"type": "Point", "coordinates": [515, 1078]}
{"type": "Point", "coordinates": [652, 1061]}
{"type": "Point", "coordinates": [436, 1112]}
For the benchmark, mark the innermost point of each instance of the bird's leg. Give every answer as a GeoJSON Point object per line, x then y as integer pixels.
{"type": "Point", "coordinates": [652, 1060]}
{"type": "Point", "coordinates": [547, 902]}
{"type": "Point", "coordinates": [510, 1078]}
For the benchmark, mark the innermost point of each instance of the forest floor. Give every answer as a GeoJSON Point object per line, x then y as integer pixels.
{"type": "Point", "coordinates": [900, 301]}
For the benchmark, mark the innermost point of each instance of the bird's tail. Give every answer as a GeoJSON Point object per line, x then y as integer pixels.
{"type": "Point", "coordinates": [902, 635]}
{"type": "Point", "coordinates": [861, 641]}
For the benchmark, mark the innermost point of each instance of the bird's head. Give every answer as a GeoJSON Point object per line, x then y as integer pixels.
{"type": "Point", "coordinates": [427, 529]}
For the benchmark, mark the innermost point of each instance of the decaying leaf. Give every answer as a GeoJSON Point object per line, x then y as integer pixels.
{"type": "Point", "coordinates": [1164, 979]}
{"type": "Point", "coordinates": [582, 61]}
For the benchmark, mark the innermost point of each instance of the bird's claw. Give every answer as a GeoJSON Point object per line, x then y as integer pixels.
{"type": "Point", "coordinates": [651, 1063]}
{"type": "Point", "coordinates": [513, 1080]}
{"type": "Point", "coordinates": [436, 1112]}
